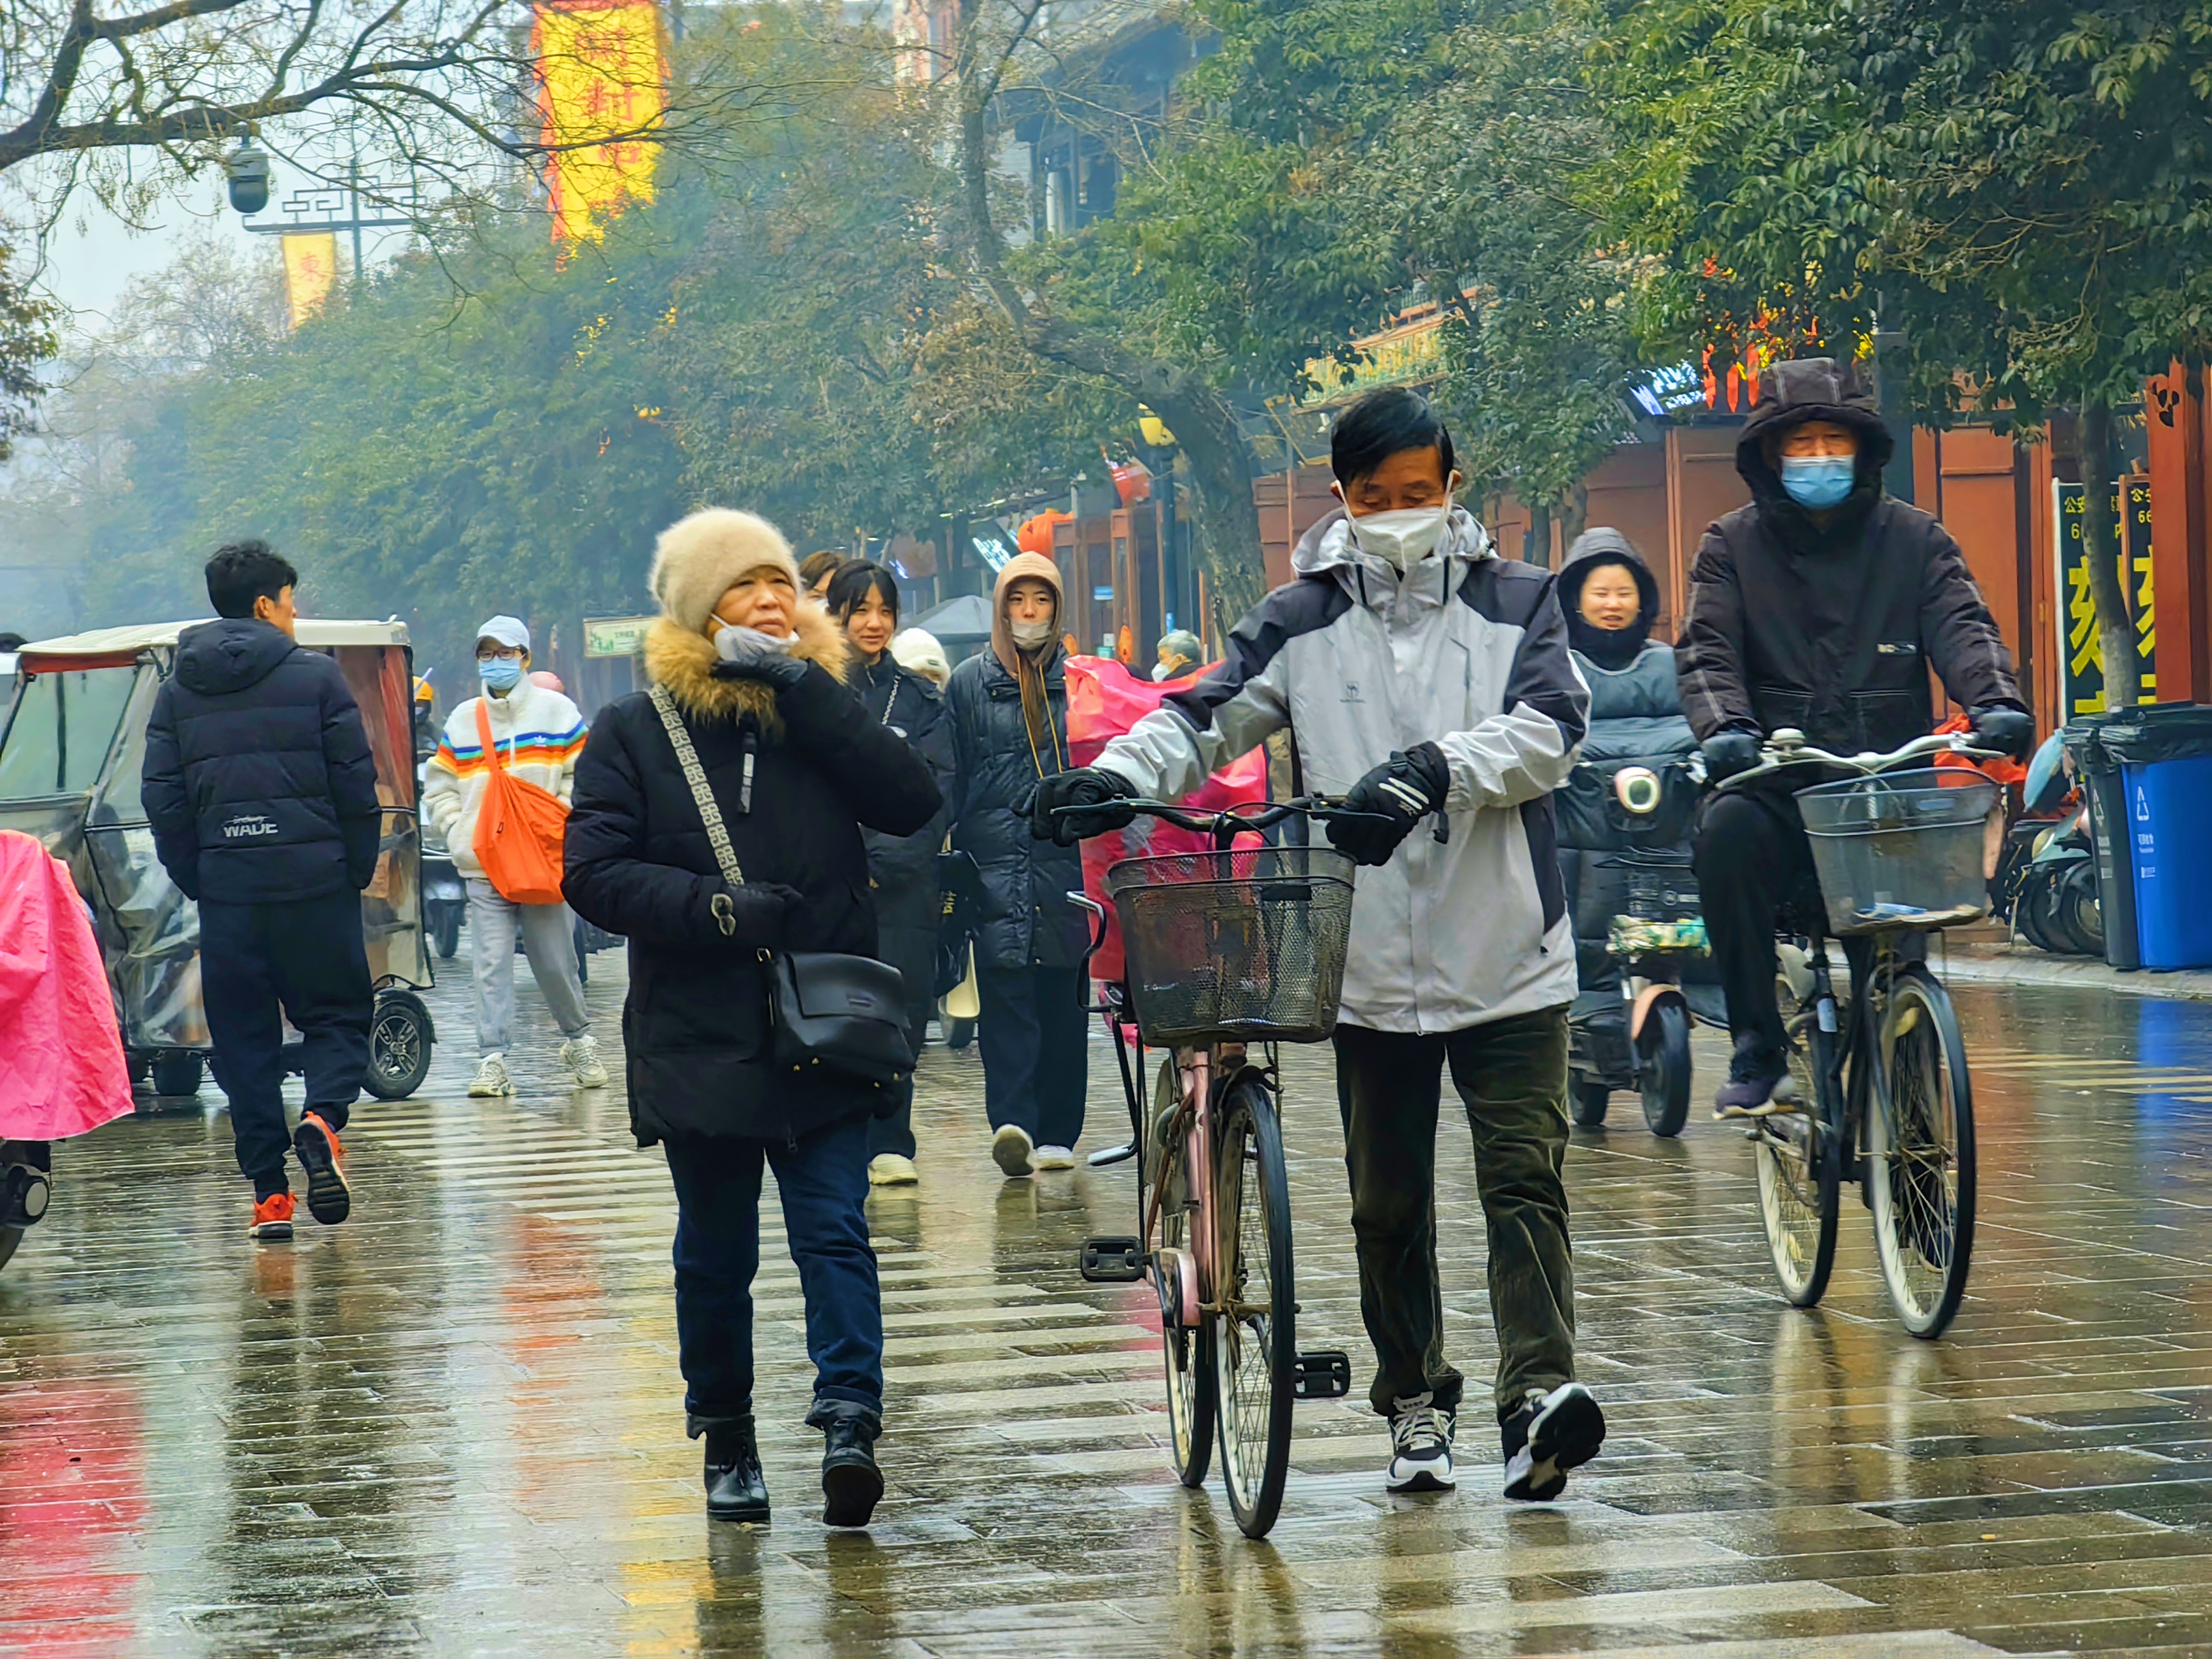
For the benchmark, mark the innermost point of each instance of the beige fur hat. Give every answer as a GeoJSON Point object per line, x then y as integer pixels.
{"type": "Point", "coordinates": [698, 557]}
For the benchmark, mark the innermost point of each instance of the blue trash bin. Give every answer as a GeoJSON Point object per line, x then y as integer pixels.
{"type": "Point", "coordinates": [2169, 806]}
{"type": "Point", "coordinates": [2164, 757]}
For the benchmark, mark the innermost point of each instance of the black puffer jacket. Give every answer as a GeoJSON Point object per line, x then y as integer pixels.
{"type": "Point", "coordinates": [902, 869]}
{"type": "Point", "coordinates": [695, 1025]}
{"type": "Point", "coordinates": [258, 779]}
{"type": "Point", "coordinates": [1832, 628]}
{"type": "Point", "coordinates": [1024, 919]}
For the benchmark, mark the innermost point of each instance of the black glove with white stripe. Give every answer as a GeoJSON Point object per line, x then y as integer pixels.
{"type": "Point", "coordinates": [1392, 799]}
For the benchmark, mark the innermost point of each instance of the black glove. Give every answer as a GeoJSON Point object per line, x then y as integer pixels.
{"type": "Point", "coordinates": [1393, 798]}
{"type": "Point", "coordinates": [2008, 731]}
{"type": "Point", "coordinates": [1729, 753]}
{"type": "Point", "coordinates": [752, 914]}
{"type": "Point", "coordinates": [750, 654]}
{"type": "Point", "coordinates": [1100, 794]}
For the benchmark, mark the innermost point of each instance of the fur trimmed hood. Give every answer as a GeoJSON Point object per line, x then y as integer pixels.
{"type": "Point", "coordinates": [686, 662]}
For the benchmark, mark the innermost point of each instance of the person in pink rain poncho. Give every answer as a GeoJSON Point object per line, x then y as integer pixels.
{"type": "Point", "coordinates": [61, 1056]}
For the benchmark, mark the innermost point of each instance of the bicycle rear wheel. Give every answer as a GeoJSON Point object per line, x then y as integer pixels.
{"type": "Point", "coordinates": [1920, 1155]}
{"type": "Point", "coordinates": [1255, 1336]}
{"type": "Point", "coordinates": [1187, 1350]}
{"type": "Point", "coordinates": [1799, 1162]}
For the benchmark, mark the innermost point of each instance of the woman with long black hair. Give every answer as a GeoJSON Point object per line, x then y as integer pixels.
{"type": "Point", "coordinates": [863, 599]}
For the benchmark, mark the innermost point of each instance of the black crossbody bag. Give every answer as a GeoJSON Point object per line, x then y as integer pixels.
{"type": "Point", "coordinates": [835, 1013]}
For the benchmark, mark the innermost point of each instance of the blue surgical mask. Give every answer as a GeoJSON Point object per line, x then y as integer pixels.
{"type": "Point", "coordinates": [500, 674]}
{"type": "Point", "coordinates": [1819, 482]}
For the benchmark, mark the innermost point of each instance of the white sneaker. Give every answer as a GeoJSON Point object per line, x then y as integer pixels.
{"type": "Point", "coordinates": [1011, 1148]}
{"type": "Point", "coordinates": [581, 1056]}
{"type": "Point", "coordinates": [1054, 1157]}
{"type": "Point", "coordinates": [890, 1170]}
{"type": "Point", "coordinates": [490, 1081]}
{"type": "Point", "coordinates": [1420, 1447]}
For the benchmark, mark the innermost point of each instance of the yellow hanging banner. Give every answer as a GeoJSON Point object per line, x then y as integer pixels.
{"type": "Point", "coordinates": [310, 266]}
{"type": "Point", "coordinates": [601, 72]}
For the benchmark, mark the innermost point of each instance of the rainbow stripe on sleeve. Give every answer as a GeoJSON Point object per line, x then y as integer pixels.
{"type": "Point", "coordinates": [554, 748]}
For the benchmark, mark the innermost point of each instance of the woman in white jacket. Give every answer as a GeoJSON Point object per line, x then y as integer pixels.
{"type": "Point", "coordinates": [539, 734]}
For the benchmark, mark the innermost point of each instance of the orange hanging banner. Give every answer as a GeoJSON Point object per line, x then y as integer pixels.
{"type": "Point", "coordinates": [601, 79]}
{"type": "Point", "coordinates": [310, 266]}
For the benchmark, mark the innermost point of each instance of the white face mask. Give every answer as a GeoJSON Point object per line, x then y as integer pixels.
{"type": "Point", "coordinates": [1402, 538]}
{"type": "Point", "coordinates": [1027, 635]}
{"type": "Point", "coordinates": [736, 644]}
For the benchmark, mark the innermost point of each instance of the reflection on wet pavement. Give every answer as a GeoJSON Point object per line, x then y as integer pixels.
{"type": "Point", "coordinates": [455, 1423]}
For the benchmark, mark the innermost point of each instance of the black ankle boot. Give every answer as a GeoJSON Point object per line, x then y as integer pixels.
{"type": "Point", "coordinates": [736, 1488]}
{"type": "Point", "coordinates": [851, 1482]}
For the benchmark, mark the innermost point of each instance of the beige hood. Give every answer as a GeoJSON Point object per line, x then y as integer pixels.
{"type": "Point", "coordinates": [1035, 565]}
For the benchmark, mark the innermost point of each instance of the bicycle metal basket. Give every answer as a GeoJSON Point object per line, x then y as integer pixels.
{"type": "Point", "coordinates": [1246, 946]}
{"type": "Point", "coordinates": [1900, 850]}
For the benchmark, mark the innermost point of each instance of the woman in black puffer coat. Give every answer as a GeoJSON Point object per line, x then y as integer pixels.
{"type": "Point", "coordinates": [1008, 707]}
{"type": "Point", "coordinates": [864, 601]}
{"type": "Point", "coordinates": [797, 767]}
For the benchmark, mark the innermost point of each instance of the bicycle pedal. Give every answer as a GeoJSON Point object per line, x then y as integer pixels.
{"type": "Point", "coordinates": [1113, 1260]}
{"type": "Point", "coordinates": [1321, 1374]}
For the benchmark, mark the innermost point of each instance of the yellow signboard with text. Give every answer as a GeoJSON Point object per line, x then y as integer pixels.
{"type": "Point", "coordinates": [310, 266]}
{"type": "Point", "coordinates": [601, 73]}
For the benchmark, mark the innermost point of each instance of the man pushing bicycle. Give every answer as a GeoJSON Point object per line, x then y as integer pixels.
{"type": "Point", "coordinates": [1427, 681]}
{"type": "Point", "coordinates": [1820, 606]}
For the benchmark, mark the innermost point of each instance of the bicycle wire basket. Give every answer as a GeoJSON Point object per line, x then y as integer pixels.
{"type": "Point", "coordinates": [1900, 849]}
{"type": "Point", "coordinates": [1243, 946]}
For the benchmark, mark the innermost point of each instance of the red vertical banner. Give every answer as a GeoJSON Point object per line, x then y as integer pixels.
{"type": "Point", "coordinates": [2177, 441]}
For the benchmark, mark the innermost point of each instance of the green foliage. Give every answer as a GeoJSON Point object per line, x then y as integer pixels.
{"type": "Point", "coordinates": [27, 339]}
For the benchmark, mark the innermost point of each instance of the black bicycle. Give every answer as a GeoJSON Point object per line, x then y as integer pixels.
{"type": "Point", "coordinates": [1883, 1092]}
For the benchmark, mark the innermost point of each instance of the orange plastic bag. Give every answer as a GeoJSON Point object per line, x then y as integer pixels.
{"type": "Point", "coordinates": [520, 829]}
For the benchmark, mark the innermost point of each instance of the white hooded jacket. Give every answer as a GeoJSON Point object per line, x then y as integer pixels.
{"type": "Point", "coordinates": [1464, 649]}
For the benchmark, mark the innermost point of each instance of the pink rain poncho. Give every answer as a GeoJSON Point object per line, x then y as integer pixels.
{"type": "Point", "coordinates": [61, 1057]}
{"type": "Point", "coordinates": [1104, 699]}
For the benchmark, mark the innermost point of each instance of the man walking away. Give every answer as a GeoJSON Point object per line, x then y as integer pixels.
{"type": "Point", "coordinates": [262, 795]}
{"type": "Point", "coordinates": [538, 734]}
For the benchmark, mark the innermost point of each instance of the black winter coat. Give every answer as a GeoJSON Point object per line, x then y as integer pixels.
{"type": "Point", "coordinates": [258, 780]}
{"type": "Point", "coordinates": [1023, 919]}
{"type": "Point", "coordinates": [903, 868]}
{"type": "Point", "coordinates": [697, 1024]}
{"type": "Point", "coordinates": [1832, 628]}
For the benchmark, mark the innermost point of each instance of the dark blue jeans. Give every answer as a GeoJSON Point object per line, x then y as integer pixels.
{"type": "Point", "coordinates": [1036, 1055]}
{"type": "Point", "coordinates": [824, 1184]}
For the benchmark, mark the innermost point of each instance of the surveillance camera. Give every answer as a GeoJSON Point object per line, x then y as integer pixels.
{"type": "Point", "coordinates": [247, 169]}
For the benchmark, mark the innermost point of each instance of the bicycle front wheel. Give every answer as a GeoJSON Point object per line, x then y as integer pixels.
{"type": "Point", "coordinates": [1920, 1155]}
{"type": "Point", "coordinates": [1799, 1160]}
{"type": "Point", "coordinates": [1254, 1336]}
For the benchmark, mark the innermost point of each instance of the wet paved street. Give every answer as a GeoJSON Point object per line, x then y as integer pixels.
{"type": "Point", "coordinates": [454, 1424]}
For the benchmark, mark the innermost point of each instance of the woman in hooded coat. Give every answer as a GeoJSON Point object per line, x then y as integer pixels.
{"type": "Point", "coordinates": [1008, 707]}
{"type": "Point", "coordinates": [797, 768]}
{"type": "Point", "coordinates": [1611, 601]}
{"type": "Point", "coordinates": [864, 600]}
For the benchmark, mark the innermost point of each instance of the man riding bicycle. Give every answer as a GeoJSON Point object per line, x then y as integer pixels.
{"type": "Point", "coordinates": [1822, 605]}
{"type": "Point", "coordinates": [1427, 681]}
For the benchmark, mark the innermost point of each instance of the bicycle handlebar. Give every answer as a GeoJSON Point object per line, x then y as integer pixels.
{"type": "Point", "coordinates": [1786, 747]}
{"type": "Point", "coordinates": [1248, 819]}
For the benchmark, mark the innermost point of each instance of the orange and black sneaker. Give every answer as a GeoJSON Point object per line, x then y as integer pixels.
{"type": "Point", "coordinates": [272, 1218]}
{"type": "Point", "coordinates": [330, 1200]}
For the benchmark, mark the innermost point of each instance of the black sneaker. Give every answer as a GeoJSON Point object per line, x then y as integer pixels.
{"type": "Point", "coordinates": [1758, 1084]}
{"type": "Point", "coordinates": [851, 1482]}
{"type": "Point", "coordinates": [1550, 1434]}
{"type": "Point", "coordinates": [330, 1200]}
{"type": "Point", "coordinates": [1420, 1447]}
{"type": "Point", "coordinates": [737, 1490]}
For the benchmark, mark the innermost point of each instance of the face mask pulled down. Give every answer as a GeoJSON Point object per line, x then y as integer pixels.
{"type": "Point", "coordinates": [1403, 539]}
{"type": "Point", "coordinates": [743, 646]}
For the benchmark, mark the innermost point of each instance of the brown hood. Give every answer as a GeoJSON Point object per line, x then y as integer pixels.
{"type": "Point", "coordinates": [1002, 638]}
{"type": "Point", "coordinates": [684, 661]}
